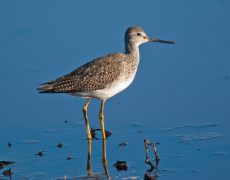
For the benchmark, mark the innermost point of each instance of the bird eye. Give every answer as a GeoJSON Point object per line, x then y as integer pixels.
{"type": "Point", "coordinates": [139, 34]}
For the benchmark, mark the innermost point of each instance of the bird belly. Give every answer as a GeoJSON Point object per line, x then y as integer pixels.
{"type": "Point", "coordinates": [110, 90]}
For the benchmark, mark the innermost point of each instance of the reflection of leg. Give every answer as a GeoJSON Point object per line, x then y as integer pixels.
{"type": "Point", "coordinates": [89, 169]}
{"type": "Point", "coordinates": [101, 116]}
{"type": "Point", "coordinates": [85, 108]}
{"type": "Point", "coordinates": [104, 159]}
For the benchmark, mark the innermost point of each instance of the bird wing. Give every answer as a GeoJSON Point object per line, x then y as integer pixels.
{"type": "Point", "coordinates": [94, 75]}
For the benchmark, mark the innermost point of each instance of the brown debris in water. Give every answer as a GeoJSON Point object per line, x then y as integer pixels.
{"type": "Point", "coordinates": [123, 144]}
{"type": "Point", "coordinates": [5, 163]}
{"type": "Point", "coordinates": [153, 168]}
{"type": "Point", "coordinates": [147, 144]}
{"type": "Point", "coordinates": [94, 134]}
{"type": "Point", "coordinates": [148, 176]}
{"type": "Point", "coordinates": [41, 153]}
{"type": "Point", "coordinates": [121, 165]}
{"type": "Point", "coordinates": [9, 144]}
{"type": "Point", "coordinates": [69, 158]}
{"type": "Point", "coordinates": [7, 172]}
{"type": "Point", "coordinates": [60, 145]}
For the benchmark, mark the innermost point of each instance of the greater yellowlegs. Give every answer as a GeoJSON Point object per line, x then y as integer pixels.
{"type": "Point", "coordinates": [103, 77]}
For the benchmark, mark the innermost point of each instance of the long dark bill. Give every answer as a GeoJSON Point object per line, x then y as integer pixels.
{"type": "Point", "coordinates": [160, 41]}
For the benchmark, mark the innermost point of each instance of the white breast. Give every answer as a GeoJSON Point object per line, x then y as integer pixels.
{"type": "Point", "coordinates": [117, 86]}
{"type": "Point", "coordinates": [113, 89]}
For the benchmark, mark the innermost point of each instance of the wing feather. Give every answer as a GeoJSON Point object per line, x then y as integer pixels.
{"type": "Point", "coordinates": [91, 76]}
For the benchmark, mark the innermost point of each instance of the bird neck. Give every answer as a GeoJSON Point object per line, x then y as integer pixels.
{"type": "Point", "coordinates": [132, 49]}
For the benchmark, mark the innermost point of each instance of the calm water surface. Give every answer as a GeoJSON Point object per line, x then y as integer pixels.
{"type": "Point", "coordinates": [180, 97]}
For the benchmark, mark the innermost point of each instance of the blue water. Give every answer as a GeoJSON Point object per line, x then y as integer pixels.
{"type": "Point", "coordinates": [180, 97]}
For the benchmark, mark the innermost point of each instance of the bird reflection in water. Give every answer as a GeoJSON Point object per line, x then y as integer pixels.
{"type": "Point", "coordinates": [88, 166]}
{"type": "Point", "coordinates": [104, 161]}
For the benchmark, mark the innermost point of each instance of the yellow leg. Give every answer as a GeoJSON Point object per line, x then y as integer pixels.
{"type": "Point", "coordinates": [89, 169]}
{"type": "Point", "coordinates": [104, 159]}
{"type": "Point", "coordinates": [85, 108]}
{"type": "Point", "coordinates": [101, 116]}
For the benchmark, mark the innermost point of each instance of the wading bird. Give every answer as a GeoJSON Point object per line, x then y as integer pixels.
{"type": "Point", "coordinates": [104, 76]}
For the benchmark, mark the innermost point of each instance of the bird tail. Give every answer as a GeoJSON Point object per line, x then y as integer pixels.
{"type": "Point", "coordinates": [57, 86]}
{"type": "Point", "coordinates": [46, 88]}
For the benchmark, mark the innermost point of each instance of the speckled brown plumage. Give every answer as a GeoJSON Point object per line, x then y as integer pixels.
{"type": "Point", "coordinates": [94, 75]}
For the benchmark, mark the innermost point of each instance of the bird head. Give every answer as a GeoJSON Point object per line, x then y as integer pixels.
{"type": "Point", "coordinates": [136, 35]}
